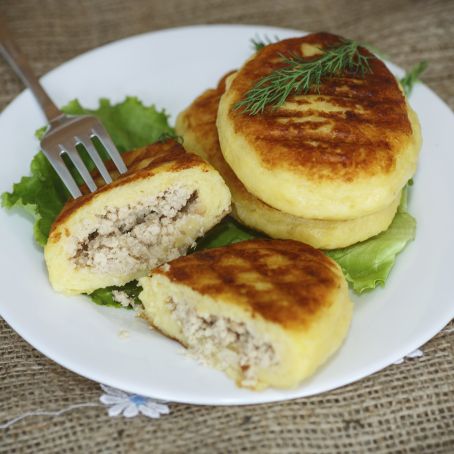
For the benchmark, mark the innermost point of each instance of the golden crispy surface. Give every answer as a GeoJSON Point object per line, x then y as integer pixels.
{"type": "Point", "coordinates": [357, 132]}
{"type": "Point", "coordinates": [340, 153]}
{"type": "Point", "coordinates": [285, 282]}
{"type": "Point", "coordinates": [199, 119]}
{"type": "Point", "coordinates": [197, 126]}
{"type": "Point", "coordinates": [141, 163]}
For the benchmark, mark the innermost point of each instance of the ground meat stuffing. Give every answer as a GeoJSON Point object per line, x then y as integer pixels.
{"type": "Point", "coordinates": [232, 342]}
{"type": "Point", "coordinates": [139, 235]}
{"type": "Point", "coordinates": [123, 298]}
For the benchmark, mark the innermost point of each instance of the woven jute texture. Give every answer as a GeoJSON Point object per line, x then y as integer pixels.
{"type": "Point", "coordinates": [404, 408]}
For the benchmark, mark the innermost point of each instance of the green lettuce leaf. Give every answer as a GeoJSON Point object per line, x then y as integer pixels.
{"type": "Point", "coordinates": [129, 123]}
{"type": "Point", "coordinates": [43, 195]}
{"type": "Point", "coordinates": [104, 296]}
{"type": "Point", "coordinates": [368, 264]}
{"type": "Point", "coordinates": [227, 232]}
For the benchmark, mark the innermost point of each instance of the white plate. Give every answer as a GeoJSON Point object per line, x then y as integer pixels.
{"type": "Point", "coordinates": [170, 68]}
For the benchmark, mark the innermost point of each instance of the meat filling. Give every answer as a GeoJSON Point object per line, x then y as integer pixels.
{"type": "Point", "coordinates": [144, 234]}
{"type": "Point", "coordinates": [231, 342]}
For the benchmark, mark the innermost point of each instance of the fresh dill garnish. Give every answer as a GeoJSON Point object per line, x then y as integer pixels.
{"type": "Point", "coordinates": [412, 76]}
{"type": "Point", "coordinates": [259, 43]}
{"type": "Point", "coordinates": [299, 75]}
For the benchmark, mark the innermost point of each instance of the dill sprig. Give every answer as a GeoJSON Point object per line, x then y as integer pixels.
{"type": "Point", "coordinates": [412, 76]}
{"type": "Point", "coordinates": [259, 43]}
{"type": "Point", "coordinates": [299, 75]}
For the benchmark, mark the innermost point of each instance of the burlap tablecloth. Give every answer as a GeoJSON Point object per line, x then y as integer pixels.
{"type": "Point", "coordinates": [404, 408]}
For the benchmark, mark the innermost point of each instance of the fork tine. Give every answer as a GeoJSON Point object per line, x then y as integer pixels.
{"type": "Point", "coordinates": [80, 166]}
{"type": "Point", "coordinates": [94, 155]}
{"type": "Point", "coordinates": [101, 133]}
{"type": "Point", "coordinates": [62, 171]}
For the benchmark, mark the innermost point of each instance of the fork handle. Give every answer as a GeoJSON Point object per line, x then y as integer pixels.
{"type": "Point", "coordinates": [19, 63]}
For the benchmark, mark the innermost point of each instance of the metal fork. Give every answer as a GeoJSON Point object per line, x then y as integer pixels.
{"type": "Point", "coordinates": [64, 132]}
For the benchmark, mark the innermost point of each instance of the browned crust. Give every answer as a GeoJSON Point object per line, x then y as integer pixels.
{"type": "Point", "coordinates": [282, 281]}
{"type": "Point", "coordinates": [141, 163]}
{"type": "Point", "coordinates": [200, 116]}
{"type": "Point", "coordinates": [200, 119]}
{"type": "Point", "coordinates": [364, 140]}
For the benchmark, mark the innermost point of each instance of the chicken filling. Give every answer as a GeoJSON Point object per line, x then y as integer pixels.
{"type": "Point", "coordinates": [140, 235]}
{"type": "Point", "coordinates": [223, 341]}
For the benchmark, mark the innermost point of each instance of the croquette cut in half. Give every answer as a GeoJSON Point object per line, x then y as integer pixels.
{"type": "Point", "coordinates": [146, 217]}
{"type": "Point", "coordinates": [341, 151]}
{"type": "Point", "coordinates": [197, 126]}
{"type": "Point", "coordinates": [266, 312]}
